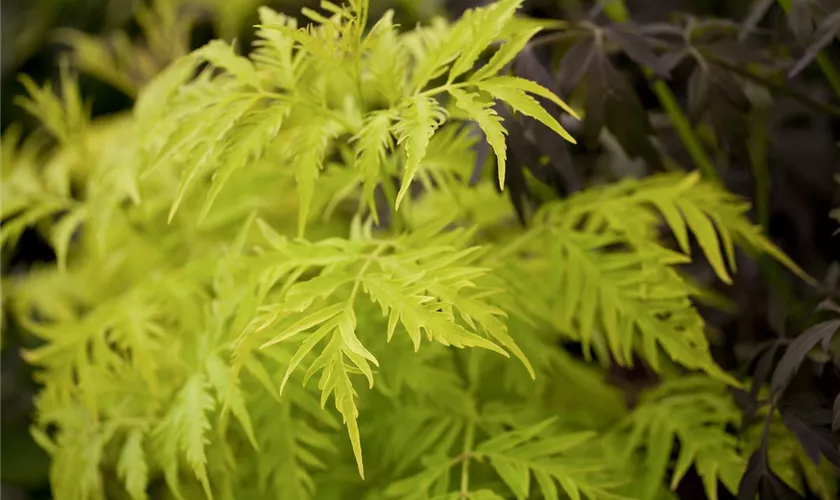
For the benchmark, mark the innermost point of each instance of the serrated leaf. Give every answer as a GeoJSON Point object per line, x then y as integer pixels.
{"type": "Point", "coordinates": [131, 466]}
{"type": "Point", "coordinates": [491, 124]}
{"type": "Point", "coordinates": [227, 389]}
{"type": "Point", "coordinates": [184, 430]}
{"type": "Point", "coordinates": [706, 236]}
{"type": "Point", "coordinates": [374, 140]}
{"type": "Point", "coordinates": [536, 449]}
{"type": "Point", "coordinates": [695, 411]}
{"type": "Point", "coordinates": [506, 53]}
{"type": "Point", "coordinates": [515, 475]}
{"type": "Point", "coordinates": [306, 347]}
{"type": "Point", "coordinates": [527, 105]}
{"type": "Point", "coordinates": [484, 26]}
{"type": "Point", "coordinates": [305, 323]}
{"type": "Point", "coordinates": [200, 156]}
{"type": "Point", "coordinates": [530, 87]}
{"type": "Point", "coordinates": [256, 131]}
{"type": "Point", "coordinates": [418, 122]}
{"type": "Point", "coordinates": [311, 146]}
{"type": "Point", "coordinates": [221, 54]}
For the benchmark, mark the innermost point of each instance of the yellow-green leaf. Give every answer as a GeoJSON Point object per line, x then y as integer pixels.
{"type": "Point", "coordinates": [491, 124]}
{"type": "Point", "coordinates": [527, 105]}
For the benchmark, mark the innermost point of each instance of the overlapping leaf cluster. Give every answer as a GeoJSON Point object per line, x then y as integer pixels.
{"type": "Point", "coordinates": [266, 234]}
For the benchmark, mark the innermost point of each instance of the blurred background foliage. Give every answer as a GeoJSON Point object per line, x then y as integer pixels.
{"type": "Point", "coordinates": [118, 45]}
{"type": "Point", "coordinates": [36, 32]}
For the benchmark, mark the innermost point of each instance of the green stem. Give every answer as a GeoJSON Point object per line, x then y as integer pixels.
{"type": "Point", "coordinates": [444, 88]}
{"type": "Point", "coordinates": [683, 127]}
{"type": "Point", "coordinates": [831, 73]}
{"type": "Point", "coordinates": [469, 442]}
{"type": "Point", "coordinates": [617, 11]}
{"type": "Point", "coordinates": [369, 260]}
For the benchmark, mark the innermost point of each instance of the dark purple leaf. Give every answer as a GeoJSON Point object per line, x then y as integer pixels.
{"type": "Point", "coordinates": [742, 398]}
{"type": "Point", "coordinates": [797, 351]}
{"type": "Point", "coordinates": [698, 93]}
{"type": "Point", "coordinates": [629, 123]}
{"type": "Point", "coordinates": [757, 12]}
{"type": "Point", "coordinates": [561, 162]}
{"type": "Point", "coordinates": [814, 438]}
{"type": "Point", "coordinates": [596, 92]}
{"type": "Point", "coordinates": [575, 64]}
{"type": "Point", "coordinates": [757, 468]}
{"type": "Point", "coordinates": [521, 153]}
{"type": "Point", "coordinates": [828, 305]}
{"type": "Point", "coordinates": [672, 58]}
{"type": "Point", "coordinates": [835, 421]}
{"type": "Point", "coordinates": [763, 369]}
{"type": "Point", "coordinates": [730, 125]}
{"type": "Point", "coordinates": [528, 66]}
{"type": "Point", "coordinates": [826, 32]}
{"type": "Point", "coordinates": [731, 89]}
{"type": "Point", "coordinates": [759, 480]}
{"type": "Point", "coordinates": [734, 52]}
{"type": "Point", "coordinates": [800, 20]}
{"type": "Point", "coordinates": [636, 47]}
{"type": "Point", "coordinates": [776, 489]}
{"type": "Point", "coordinates": [517, 189]}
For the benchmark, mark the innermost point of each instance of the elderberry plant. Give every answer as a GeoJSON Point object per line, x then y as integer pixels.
{"type": "Point", "coordinates": [267, 234]}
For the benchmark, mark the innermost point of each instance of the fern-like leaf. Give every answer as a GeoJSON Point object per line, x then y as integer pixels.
{"type": "Point", "coordinates": [696, 411]}
{"type": "Point", "coordinates": [418, 121]}
{"type": "Point", "coordinates": [525, 104]}
{"type": "Point", "coordinates": [620, 301]}
{"type": "Point", "coordinates": [523, 85]}
{"type": "Point", "coordinates": [374, 140]}
{"type": "Point", "coordinates": [219, 375]}
{"type": "Point", "coordinates": [484, 26]}
{"type": "Point", "coordinates": [506, 53]}
{"type": "Point", "coordinates": [184, 431]}
{"type": "Point", "coordinates": [552, 458]}
{"type": "Point", "coordinates": [429, 288]}
{"type": "Point", "coordinates": [618, 281]}
{"type": "Point", "coordinates": [715, 217]}
{"type": "Point", "coordinates": [132, 467]}
{"type": "Point", "coordinates": [387, 59]}
{"type": "Point", "coordinates": [491, 124]}
{"type": "Point", "coordinates": [221, 55]}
